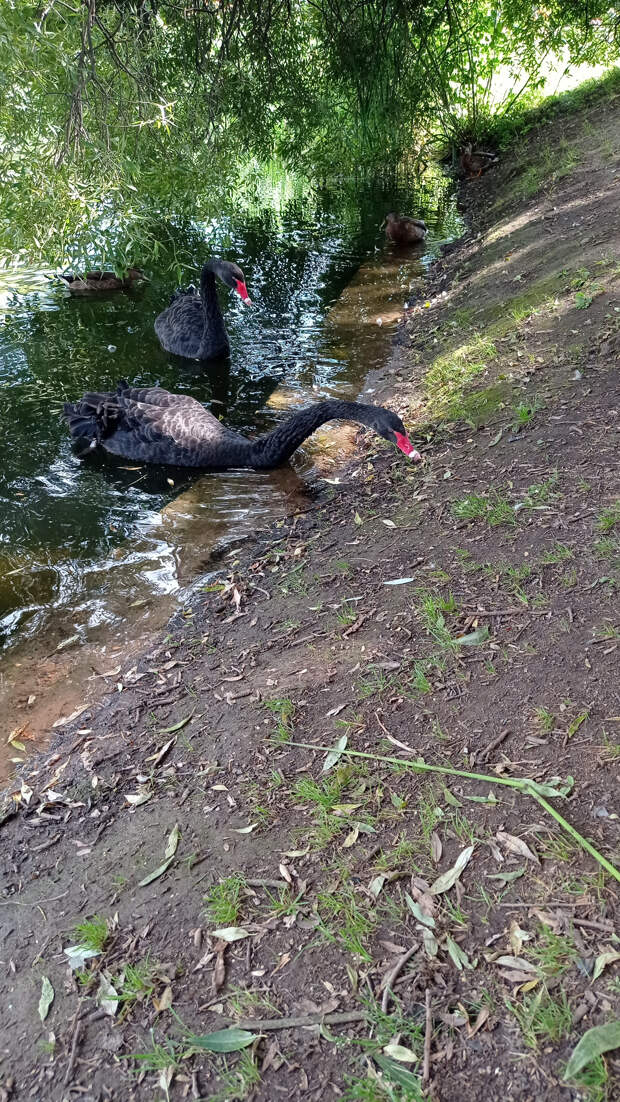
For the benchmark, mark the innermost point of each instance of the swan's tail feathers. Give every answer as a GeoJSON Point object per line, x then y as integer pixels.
{"type": "Point", "coordinates": [92, 418]}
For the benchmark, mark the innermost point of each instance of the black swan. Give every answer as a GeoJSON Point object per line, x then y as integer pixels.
{"type": "Point", "coordinates": [403, 230]}
{"type": "Point", "coordinates": [154, 426]}
{"type": "Point", "coordinates": [193, 326]}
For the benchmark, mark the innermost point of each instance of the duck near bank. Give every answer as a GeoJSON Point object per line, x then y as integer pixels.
{"type": "Point", "coordinates": [403, 230]}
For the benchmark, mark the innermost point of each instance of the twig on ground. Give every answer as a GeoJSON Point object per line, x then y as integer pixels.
{"type": "Point", "coordinates": [494, 744]}
{"type": "Point", "coordinates": [391, 976]}
{"type": "Point", "coordinates": [426, 1069]}
{"type": "Point", "coordinates": [306, 1019]}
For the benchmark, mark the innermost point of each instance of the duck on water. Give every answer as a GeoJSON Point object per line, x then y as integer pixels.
{"type": "Point", "coordinates": [192, 325]}
{"type": "Point", "coordinates": [151, 425]}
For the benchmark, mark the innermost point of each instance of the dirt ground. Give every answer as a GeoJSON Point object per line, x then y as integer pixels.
{"type": "Point", "coordinates": [377, 931]}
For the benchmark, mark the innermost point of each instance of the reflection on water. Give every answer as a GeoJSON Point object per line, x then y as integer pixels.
{"type": "Point", "coordinates": [85, 548]}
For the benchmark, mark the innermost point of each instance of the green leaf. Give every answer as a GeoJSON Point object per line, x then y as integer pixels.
{"type": "Point", "coordinates": [601, 962]}
{"type": "Point", "coordinates": [173, 841]}
{"type": "Point", "coordinates": [474, 638]}
{"type": "Point", "coordinates": [459, 956]}
{"type": "Point", "coordinates": [449, 878]}
{"type": "Point", "coordinates": [231, 933]}
{"type": "Point", "coordinates": [599, 1039]}
{"type": "Point", "coordinates": [417, 912]}
{"type": "Point", "coordinates": [399, 1075]}
{"type": "Point", "coordinates": [334, 755]}
{"type": "Point", "coordinates": [47, 998]}
{"type": "Point", "coordinates": [401, 1053]}
{"type": "Point", "coordinates": [223, 1040]}
{"type": "Point", "coordinates": [450, 799]}
{"type": "Point", "coordinates": [176, 726]}
{"type": "Point", "coordinates": [506, 877]}
{"type": "Point", "coordinates": [156, 873]}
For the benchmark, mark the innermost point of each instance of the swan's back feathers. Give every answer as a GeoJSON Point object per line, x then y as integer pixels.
{"type": "Point", "coordinates": [181, 328]}
{"type": "Point", "coordinates": [150, 425]}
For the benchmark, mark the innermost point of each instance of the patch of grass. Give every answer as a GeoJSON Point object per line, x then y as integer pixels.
{"type": "Point", "coordinates": [606, 631]}
{"type": "Point", "coordinates": [556, 554]}
{"type": "Point", "coordinates": [158, 1057]}
{"type": "Point", "coordinates": [611, 750]}
{"type": "Point", "coordinates": [245, 1003]}
{"type": "Point", "coordinates": [540, 493]}
{"type": "Point", "coordinates": [541, 1017]}
{"type": "Point", "coordinates": [238, 1081]}
{"type": "Point", "coordinates": [452, 372]}
{"type": "Point", "coordinates": [593, 1081]}
{"type": "Point", "coordinates": [493, 507]}
{"type": "Point", "coordinates": [553, 954]}
{"type": "Point", "coordinates": [419, 682]}
{"type": "Point", "coordinates": [284, 711]}
{"type": "Point", "coordinates": [223, 901]}
{"type": "Point", "coordinates": [525, 412]}
{"type": "Point", "coordinates": [344, 922]}
{"type": "Point", "coordinates": [92, 934]}
{"type": "Point", "coordinates": [285, 903]}
{"type": "Point", "coordinates": [402, 855]}
{"type": "Point", "coordinates": [139, 981]}
{"type": "Point", "coordinates": [476, 407]}
{"type": "Point", "coordinates": [324, 800]}
{"type": "Point", "coordinates": [346, 614]}
{"type": "Point", "coordinates": [431, 609]}
{"type": "Point", "coordinates": [608, 548]}
{"type": "Point", "coordinates": [545, 719]}
{"type": "Point", "coordinates": [375, 681]}
{"type": "Point", "coordinates": [609, 518]}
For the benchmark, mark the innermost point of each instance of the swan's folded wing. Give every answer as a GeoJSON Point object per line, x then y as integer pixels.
{"type": "Point", "coordinates": [180, 328]}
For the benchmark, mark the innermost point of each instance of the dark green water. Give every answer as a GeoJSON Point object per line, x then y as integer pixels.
{"type": "Point", "coordinates": [66, 528]}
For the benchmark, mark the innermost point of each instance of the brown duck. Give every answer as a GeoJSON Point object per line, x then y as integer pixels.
{"type": "Point", "coordinates": [473, 164]}
{"type": "Point", "coordinates": [403, 230]}
{"type": "Point", "coordinates": [97, 282]}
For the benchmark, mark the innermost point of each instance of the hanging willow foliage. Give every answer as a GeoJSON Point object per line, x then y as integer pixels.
{"type": "Point", "coordinates": [108, 102]}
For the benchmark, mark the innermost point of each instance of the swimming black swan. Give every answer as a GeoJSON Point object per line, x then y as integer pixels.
{"type": "Point", "coordinates": [154, 426]}
{"type": "Point", "coordinates": [193, 325]}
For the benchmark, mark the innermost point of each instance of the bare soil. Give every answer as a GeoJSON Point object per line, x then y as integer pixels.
{"type": "Point", "coordinates": [462, 613]}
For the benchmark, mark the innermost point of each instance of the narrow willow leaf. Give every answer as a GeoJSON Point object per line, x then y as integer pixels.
{"type": "Point", "coordinates": [231, 933]}
{"type": "Point", "coordinates": [47, 998]}
{"type": "Point", "coordinates": [448, 879]}
{"type": "Point", "coordinates": [223, 1040]}
{"type": "Point", "coordinates": [334, 755]}
{"type": "Point", "coordinates": [397, 1074]}
{"type": "Point", "coordinates": [417, 912]}
{"type": "Point", "coordinates": [176, 726]}
{"type": "Point", "coordinates": [156, 873]}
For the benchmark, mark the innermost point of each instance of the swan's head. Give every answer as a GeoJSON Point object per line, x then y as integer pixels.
{"type": "Point", "coordinates": [390, 427]}
{"type": "Point", "coordinates": [234, 278]}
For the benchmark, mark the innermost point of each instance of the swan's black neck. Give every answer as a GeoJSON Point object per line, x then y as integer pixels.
{"type": "Point", "coordinates": [278, 446]}
{"type": "Point", "coordinates": [215, 338]}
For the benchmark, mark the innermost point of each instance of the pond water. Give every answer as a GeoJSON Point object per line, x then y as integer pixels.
{"type": "Point", "coordinates": [86, 548]}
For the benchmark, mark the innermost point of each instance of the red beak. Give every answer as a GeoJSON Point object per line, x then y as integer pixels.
{"type": "Point", "coordinates": [405, 445]}
{"type": "Point", "coordinates": [242, 291]}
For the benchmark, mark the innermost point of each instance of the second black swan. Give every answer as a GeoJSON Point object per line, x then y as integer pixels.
{"type": "Point", "coordinates": [192, 326]}
{"type": "Point", "coordinates": [151, 425]}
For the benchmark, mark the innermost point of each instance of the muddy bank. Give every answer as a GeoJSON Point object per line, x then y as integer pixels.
{"type": "Point", "coordinates": [463, 612]}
